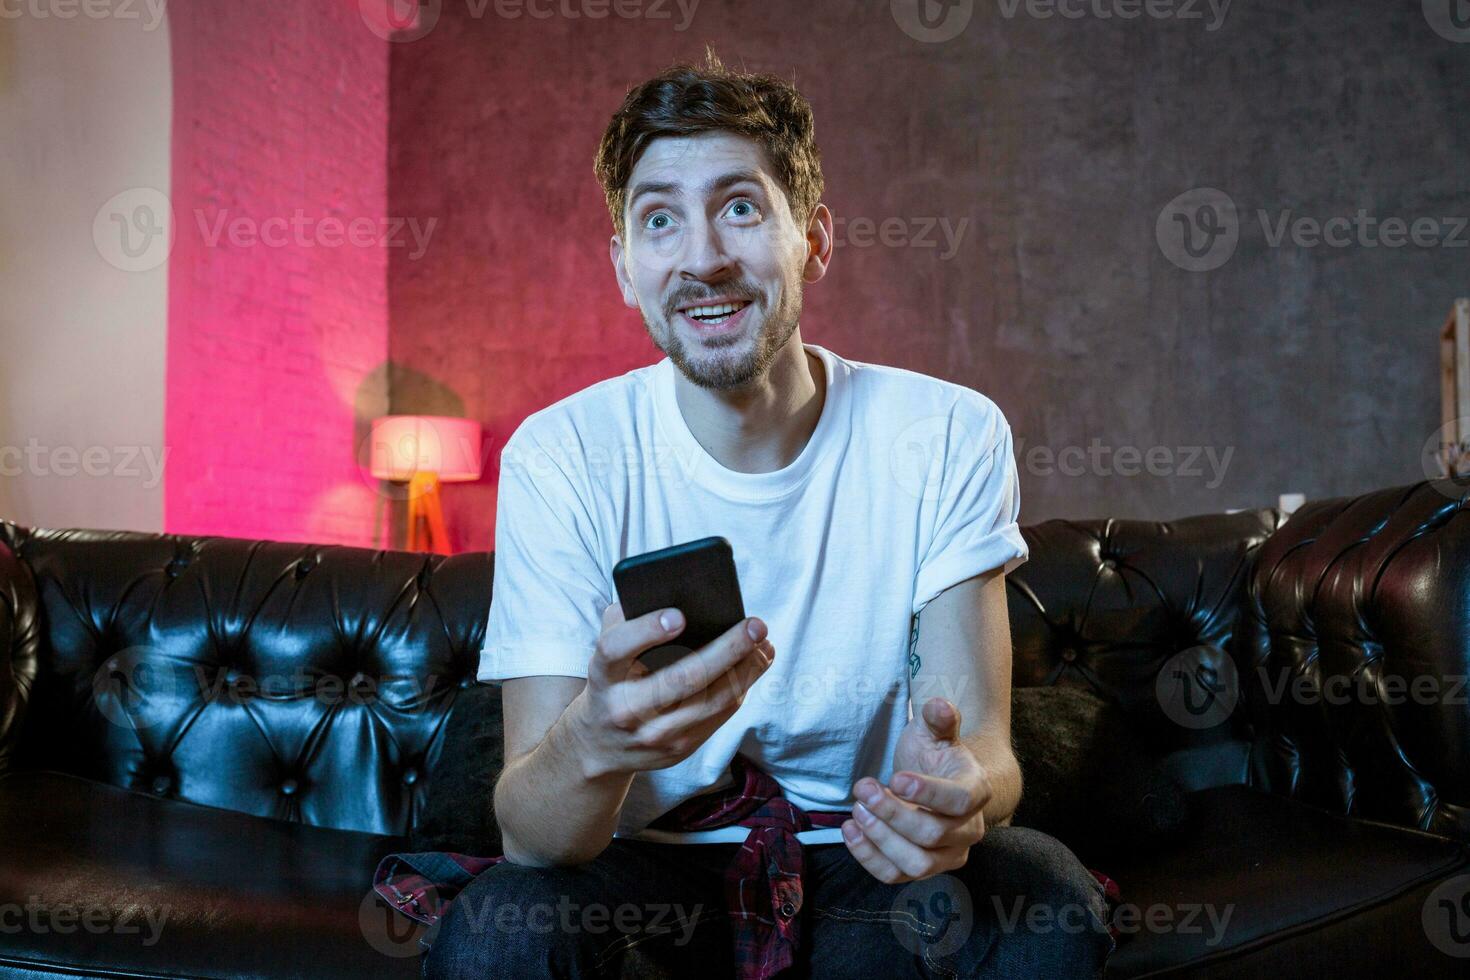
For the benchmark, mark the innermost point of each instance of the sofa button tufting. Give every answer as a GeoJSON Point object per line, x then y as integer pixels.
{"type": "Point", "coordinates": [304, 565]}
{"type": "Point", "coordinates": [288, 787]}
{"type": "Point", "coordinates": [1069, 655]}
{"type": "Point", "coordinates": [1110, 564]}
{"type": "Point", "coordinates": [162, 784]}
{"type": "Point", "coordinates": [410, 776]}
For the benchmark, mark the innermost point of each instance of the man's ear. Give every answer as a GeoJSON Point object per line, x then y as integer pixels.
{"type": "Point", "coordinates": [819, 242]}
{"type": "Point", "coordinates": [620, 269]}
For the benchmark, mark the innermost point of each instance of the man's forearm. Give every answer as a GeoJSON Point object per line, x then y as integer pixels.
{"type": "Point", "coordinates": [1004, 773]}
{"type": "Point", "coordinates": [550, 811]}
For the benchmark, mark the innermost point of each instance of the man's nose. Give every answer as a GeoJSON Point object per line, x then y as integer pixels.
{"type": "Point", "coordinates": [704, 256]}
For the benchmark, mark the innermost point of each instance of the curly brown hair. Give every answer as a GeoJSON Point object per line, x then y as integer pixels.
{"type": "Point", "coordinates": [687, 99]}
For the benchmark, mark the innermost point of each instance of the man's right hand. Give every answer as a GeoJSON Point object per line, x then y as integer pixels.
{"type": "Point", "coordinates": [630, 719]}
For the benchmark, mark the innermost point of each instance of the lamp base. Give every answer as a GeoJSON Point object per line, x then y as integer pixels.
{"type": "Point", "coordinates": [426, 531]}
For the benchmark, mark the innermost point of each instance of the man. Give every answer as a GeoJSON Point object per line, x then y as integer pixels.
{"type": "Point", "coordinates": [872, 512]}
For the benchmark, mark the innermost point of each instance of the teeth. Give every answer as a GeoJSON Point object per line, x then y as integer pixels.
{"type": "Point", "coordinates": [724, 309]}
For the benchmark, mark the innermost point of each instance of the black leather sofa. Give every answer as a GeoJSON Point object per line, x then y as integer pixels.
{"type": "Point", "coordinates": [206, 744]}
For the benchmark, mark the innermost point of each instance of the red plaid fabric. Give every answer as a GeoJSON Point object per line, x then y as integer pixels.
{"type": "Point", "coordinates": [763, 884]}
{"type": "Point", "coordinates": [763, 891]}
{"type": "Point", "coordinates": [1112, 894]}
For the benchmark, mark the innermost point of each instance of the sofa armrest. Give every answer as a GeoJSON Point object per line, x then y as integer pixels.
{"type": "Point", "coordinates": [20, 640]}
{"type": "Point", "coordinates": [1356, 651]}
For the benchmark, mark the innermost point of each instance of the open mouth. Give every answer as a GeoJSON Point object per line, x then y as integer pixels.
{"type": "Point", "coordinates": [716, 314]}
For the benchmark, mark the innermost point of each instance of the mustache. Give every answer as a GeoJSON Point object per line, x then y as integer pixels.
{"type": "Point", "coordinates": [691, 293]}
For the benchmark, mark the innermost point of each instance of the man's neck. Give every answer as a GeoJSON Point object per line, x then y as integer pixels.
{"type": "Point", "coordinates": [764, 426]}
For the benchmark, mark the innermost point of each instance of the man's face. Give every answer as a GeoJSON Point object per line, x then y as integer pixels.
{"type": "Point", "coordinates": [712, 256]}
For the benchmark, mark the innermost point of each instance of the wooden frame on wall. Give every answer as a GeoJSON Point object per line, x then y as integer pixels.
{"type": "Point", "coordinates": [1454, 386]}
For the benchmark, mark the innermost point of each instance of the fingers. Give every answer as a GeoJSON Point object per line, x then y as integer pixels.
{"type": "Point", "coordinates": [942, 717]}
{"type": "Point", "coordinates": [879, 865]}
{"type": "Point", "coordinates": [719, 700]}
{"type": "Point", "coordinates": [924, 827]}
{"type": "Point", "coordinates": [621, 641]}
{"type": "Point", "coordinates": [665, 688]}
{"type": "Point", "coordinates": [886, 847]}
{"type": "Point", "coordinates": [952, 797]}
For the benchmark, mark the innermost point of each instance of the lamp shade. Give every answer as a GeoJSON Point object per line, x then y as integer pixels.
{"type": "Point", "coordinates": [403, 445]}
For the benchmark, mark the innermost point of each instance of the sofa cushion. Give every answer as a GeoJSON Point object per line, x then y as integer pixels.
{"type": "Point", "coordinates": [1307, 892]}
{"type": "Point", "coordinates": [106, 881]}
{"type": "Point", "coordinates": [1090, 781]}
{"type": "Point", "coordinates": [459, 810]}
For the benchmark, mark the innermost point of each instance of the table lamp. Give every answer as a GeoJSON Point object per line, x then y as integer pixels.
{"type": "Point", "coordinates": [425, 451]}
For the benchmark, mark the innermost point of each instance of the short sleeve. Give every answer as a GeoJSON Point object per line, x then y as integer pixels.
{"type": "Point", "coordinates": [549, 589]}
{"type": "Point", "coordinates": [978, 505]}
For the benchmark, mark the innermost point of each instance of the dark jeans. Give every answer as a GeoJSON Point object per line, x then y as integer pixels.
{"type": "Point", "coordinates": [1022, 906]}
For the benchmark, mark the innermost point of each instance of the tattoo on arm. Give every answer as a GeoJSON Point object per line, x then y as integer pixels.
{"type": "Point", "coordinates": [914, 648]}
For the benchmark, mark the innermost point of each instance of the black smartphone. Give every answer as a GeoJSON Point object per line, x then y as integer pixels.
{"type": "Point", "coordinates": [697, 578]}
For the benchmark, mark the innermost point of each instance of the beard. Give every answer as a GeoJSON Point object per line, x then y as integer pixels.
{"type": "Point", "coordinates": [728, 362]}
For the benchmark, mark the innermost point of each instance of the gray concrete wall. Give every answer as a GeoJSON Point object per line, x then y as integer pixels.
{"type": "Point", "coordinates": [1024, 165]}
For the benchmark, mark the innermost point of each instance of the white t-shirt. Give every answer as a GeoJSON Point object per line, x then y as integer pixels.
{"type": "Point", "coordinates": [907, 486]}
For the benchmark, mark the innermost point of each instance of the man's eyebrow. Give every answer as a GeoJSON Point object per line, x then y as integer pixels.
{"type": "Point", "coordinates": [714, 184]}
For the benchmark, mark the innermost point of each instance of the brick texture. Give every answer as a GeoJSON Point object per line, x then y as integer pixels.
{"type": "Point", "coordinates": [276, 343]}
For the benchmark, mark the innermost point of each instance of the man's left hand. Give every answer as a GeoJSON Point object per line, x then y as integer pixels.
{"type": "Point", "coordinates": [926, 819]}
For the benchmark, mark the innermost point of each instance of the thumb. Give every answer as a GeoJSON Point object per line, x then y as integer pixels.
{"type": "Point", "coordinates": [942, 717]}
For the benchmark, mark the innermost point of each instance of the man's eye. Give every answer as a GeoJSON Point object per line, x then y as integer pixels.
{"type": "Point", "coordinates": [657, 221]}
{"type": "Point", "coordinates": [742, 209]}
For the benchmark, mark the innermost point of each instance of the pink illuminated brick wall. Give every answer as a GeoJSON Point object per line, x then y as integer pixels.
{"type": "Point", "coordinates": [278, 319]}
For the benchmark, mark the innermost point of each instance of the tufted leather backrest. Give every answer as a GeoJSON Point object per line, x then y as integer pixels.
{"type": "Point", "coordinates": [20, 644]}
{"type": "Point", "coordinates": [304, 682]}
{"type": "Point", "coordinates": [1355, 649]}
{"type": "Point", "coordinates": [312, 683]}
{"type": "Point", "coordinates": [1115, 606]}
